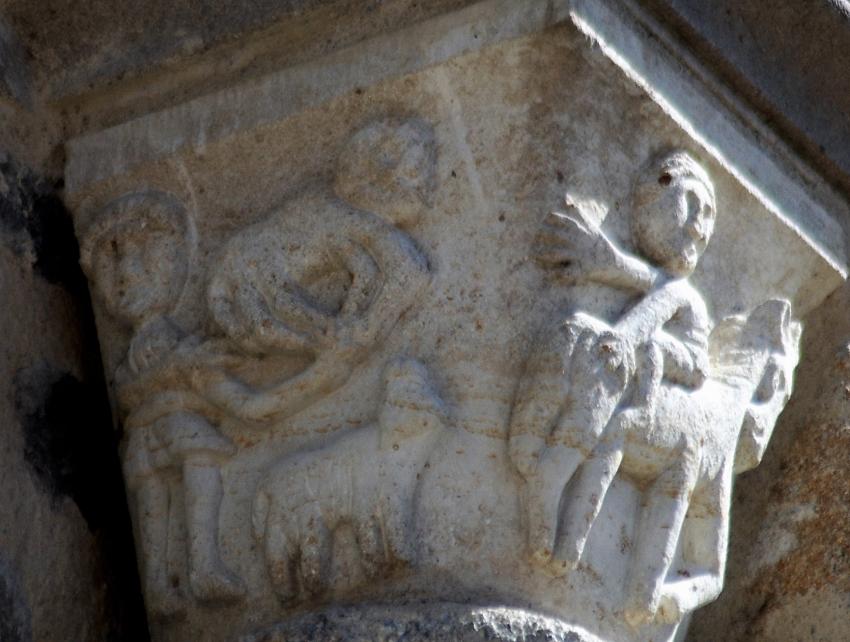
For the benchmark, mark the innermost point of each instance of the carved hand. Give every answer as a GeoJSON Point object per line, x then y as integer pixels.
{"type": "Point", "coordinates": [151, 344]}
{"type": "Point", "coordinates": [574, 247]}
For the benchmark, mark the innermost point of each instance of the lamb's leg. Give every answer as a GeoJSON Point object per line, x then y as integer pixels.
{"type": "Point", "coordinates": [316, 549]}
{"type": "Point", "coordinates": [704, 535]}
{"type": "Point", "coordinates": [279, 549]}
{"type": "Point", "coordinates": [598, 472]}
{"type": "Point", "coordinates": [371, 543]}
{"type": "Point", "coordinates": [664, 508]}
{"type": "Point", "coordinates": [397, 516]}
{"type": "Point", "coordinates": [543, 493]}
{"type": "Point", "coordinates": [601, 369]}
{"type": "Point", "coordinates": [584, 504]}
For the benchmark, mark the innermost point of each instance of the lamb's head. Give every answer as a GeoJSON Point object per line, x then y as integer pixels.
{"type": "Point", "coordinates": [410, 406]}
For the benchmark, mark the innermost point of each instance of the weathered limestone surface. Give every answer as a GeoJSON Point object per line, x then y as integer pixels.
{"type": "Point", "coordinates": [487, 310]}
{"type": "Point", "coordinates": [437, 622]}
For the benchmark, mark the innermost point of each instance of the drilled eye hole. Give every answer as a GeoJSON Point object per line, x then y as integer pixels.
{"type": "Point", "coordinates": [664, 179]}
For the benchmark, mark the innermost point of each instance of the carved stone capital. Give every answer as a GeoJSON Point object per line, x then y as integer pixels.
{"type": "Point", "coordinates": [489, 311]}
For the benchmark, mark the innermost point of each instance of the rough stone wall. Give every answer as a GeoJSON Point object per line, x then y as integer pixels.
{"type": "Point", "coordinates": [67, 566]}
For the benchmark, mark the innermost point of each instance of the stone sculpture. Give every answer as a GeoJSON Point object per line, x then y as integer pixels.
{"type": "Point", "coordinates": [663, 335]}
{"type": "Point", "coordinates": [327, 275]}
{"type": "Point", "coordinates": [363, 379]}
{"type": "Point", "coordinates": [366, 478]}
{"type": "Point", "coordinates": [136, 255]}
{"type": "Point", "coordinates": [320, 280]}
{"type": "Point", "coordinates": [656, 396]}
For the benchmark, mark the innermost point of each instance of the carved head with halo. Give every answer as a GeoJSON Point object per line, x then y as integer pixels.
{"type": "Point", "coordinates": [135, 255]}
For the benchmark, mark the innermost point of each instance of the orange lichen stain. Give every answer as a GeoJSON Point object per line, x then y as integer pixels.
{"type": "Point", "coordinates": [816, 475]}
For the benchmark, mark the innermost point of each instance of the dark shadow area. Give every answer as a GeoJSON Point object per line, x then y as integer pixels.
{"type": "Point", "coordinates": [70, 443]}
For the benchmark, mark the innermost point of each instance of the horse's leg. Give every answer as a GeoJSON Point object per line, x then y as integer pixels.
{"type": "Point", "coordinates": [585, 502]}
{"type": "Point", "coordinates": [704, 538]}
{"type": "Point", "coordinates": [599, 374]}
{"type": "Point", "coordinates": [659, 526]}
{"type": "Point", "coordinates": [598, 472]}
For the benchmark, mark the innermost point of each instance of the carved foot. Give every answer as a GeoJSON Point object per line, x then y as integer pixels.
{"type": "Point", "coordinates": [217, 584]}
{"type": "Point", "coordinates": [542, 503]}
{"type": "Point", "coordinates": [641, 608]}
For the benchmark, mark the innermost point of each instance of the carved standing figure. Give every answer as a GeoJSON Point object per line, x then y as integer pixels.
{"type": "Point", "coordinates": [136, 256]}
{"type": "Point", "coordinates": [579, 371]}
{"type": "Point", "coordinates": [324, 278]}
{"type": "Point", "coordinates": [365, 478]}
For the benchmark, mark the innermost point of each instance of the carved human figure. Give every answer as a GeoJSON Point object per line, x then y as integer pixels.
{"type": "Point", "coordinates": [559, 419]}
{"type": "Point", "coordinates": [136, 256]}
{"type": "Point", "coordinates": [365, 478]}
{"type": "Point", "coordinates": [327, 275]}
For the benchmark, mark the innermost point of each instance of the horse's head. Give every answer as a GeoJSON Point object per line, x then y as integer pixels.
{"type": "Point", "coordinates": [768, 343]}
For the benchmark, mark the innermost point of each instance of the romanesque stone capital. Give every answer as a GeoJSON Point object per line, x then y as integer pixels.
{"type": "Point", "coordinates": [467, 329]}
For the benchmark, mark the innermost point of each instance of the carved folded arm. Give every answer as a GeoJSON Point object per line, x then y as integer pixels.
{"type": "Point", "coordinates": [675, 318]}
{"type": "Point", "coordinates": [403, 274]}
{"type": "Point", "coordinates": [261, 323]}
{"type": "Point", "coordinates": [685, 359]}
{"type": "Point", "coordinates": [282, 400]}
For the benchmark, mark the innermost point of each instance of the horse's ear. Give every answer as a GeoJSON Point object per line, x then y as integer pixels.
{"type": "Point", "coordinates": [772, 322]}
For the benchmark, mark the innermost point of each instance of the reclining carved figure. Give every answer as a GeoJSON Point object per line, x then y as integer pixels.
{"type": "Point", "coordinates": [324, 277]}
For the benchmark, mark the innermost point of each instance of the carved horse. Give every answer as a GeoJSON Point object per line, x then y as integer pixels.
{"type": "Point", "coordinates": [683, 454]}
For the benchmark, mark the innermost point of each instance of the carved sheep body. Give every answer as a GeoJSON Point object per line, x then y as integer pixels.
{"type": "Point", "coordinates": [365, 478]}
